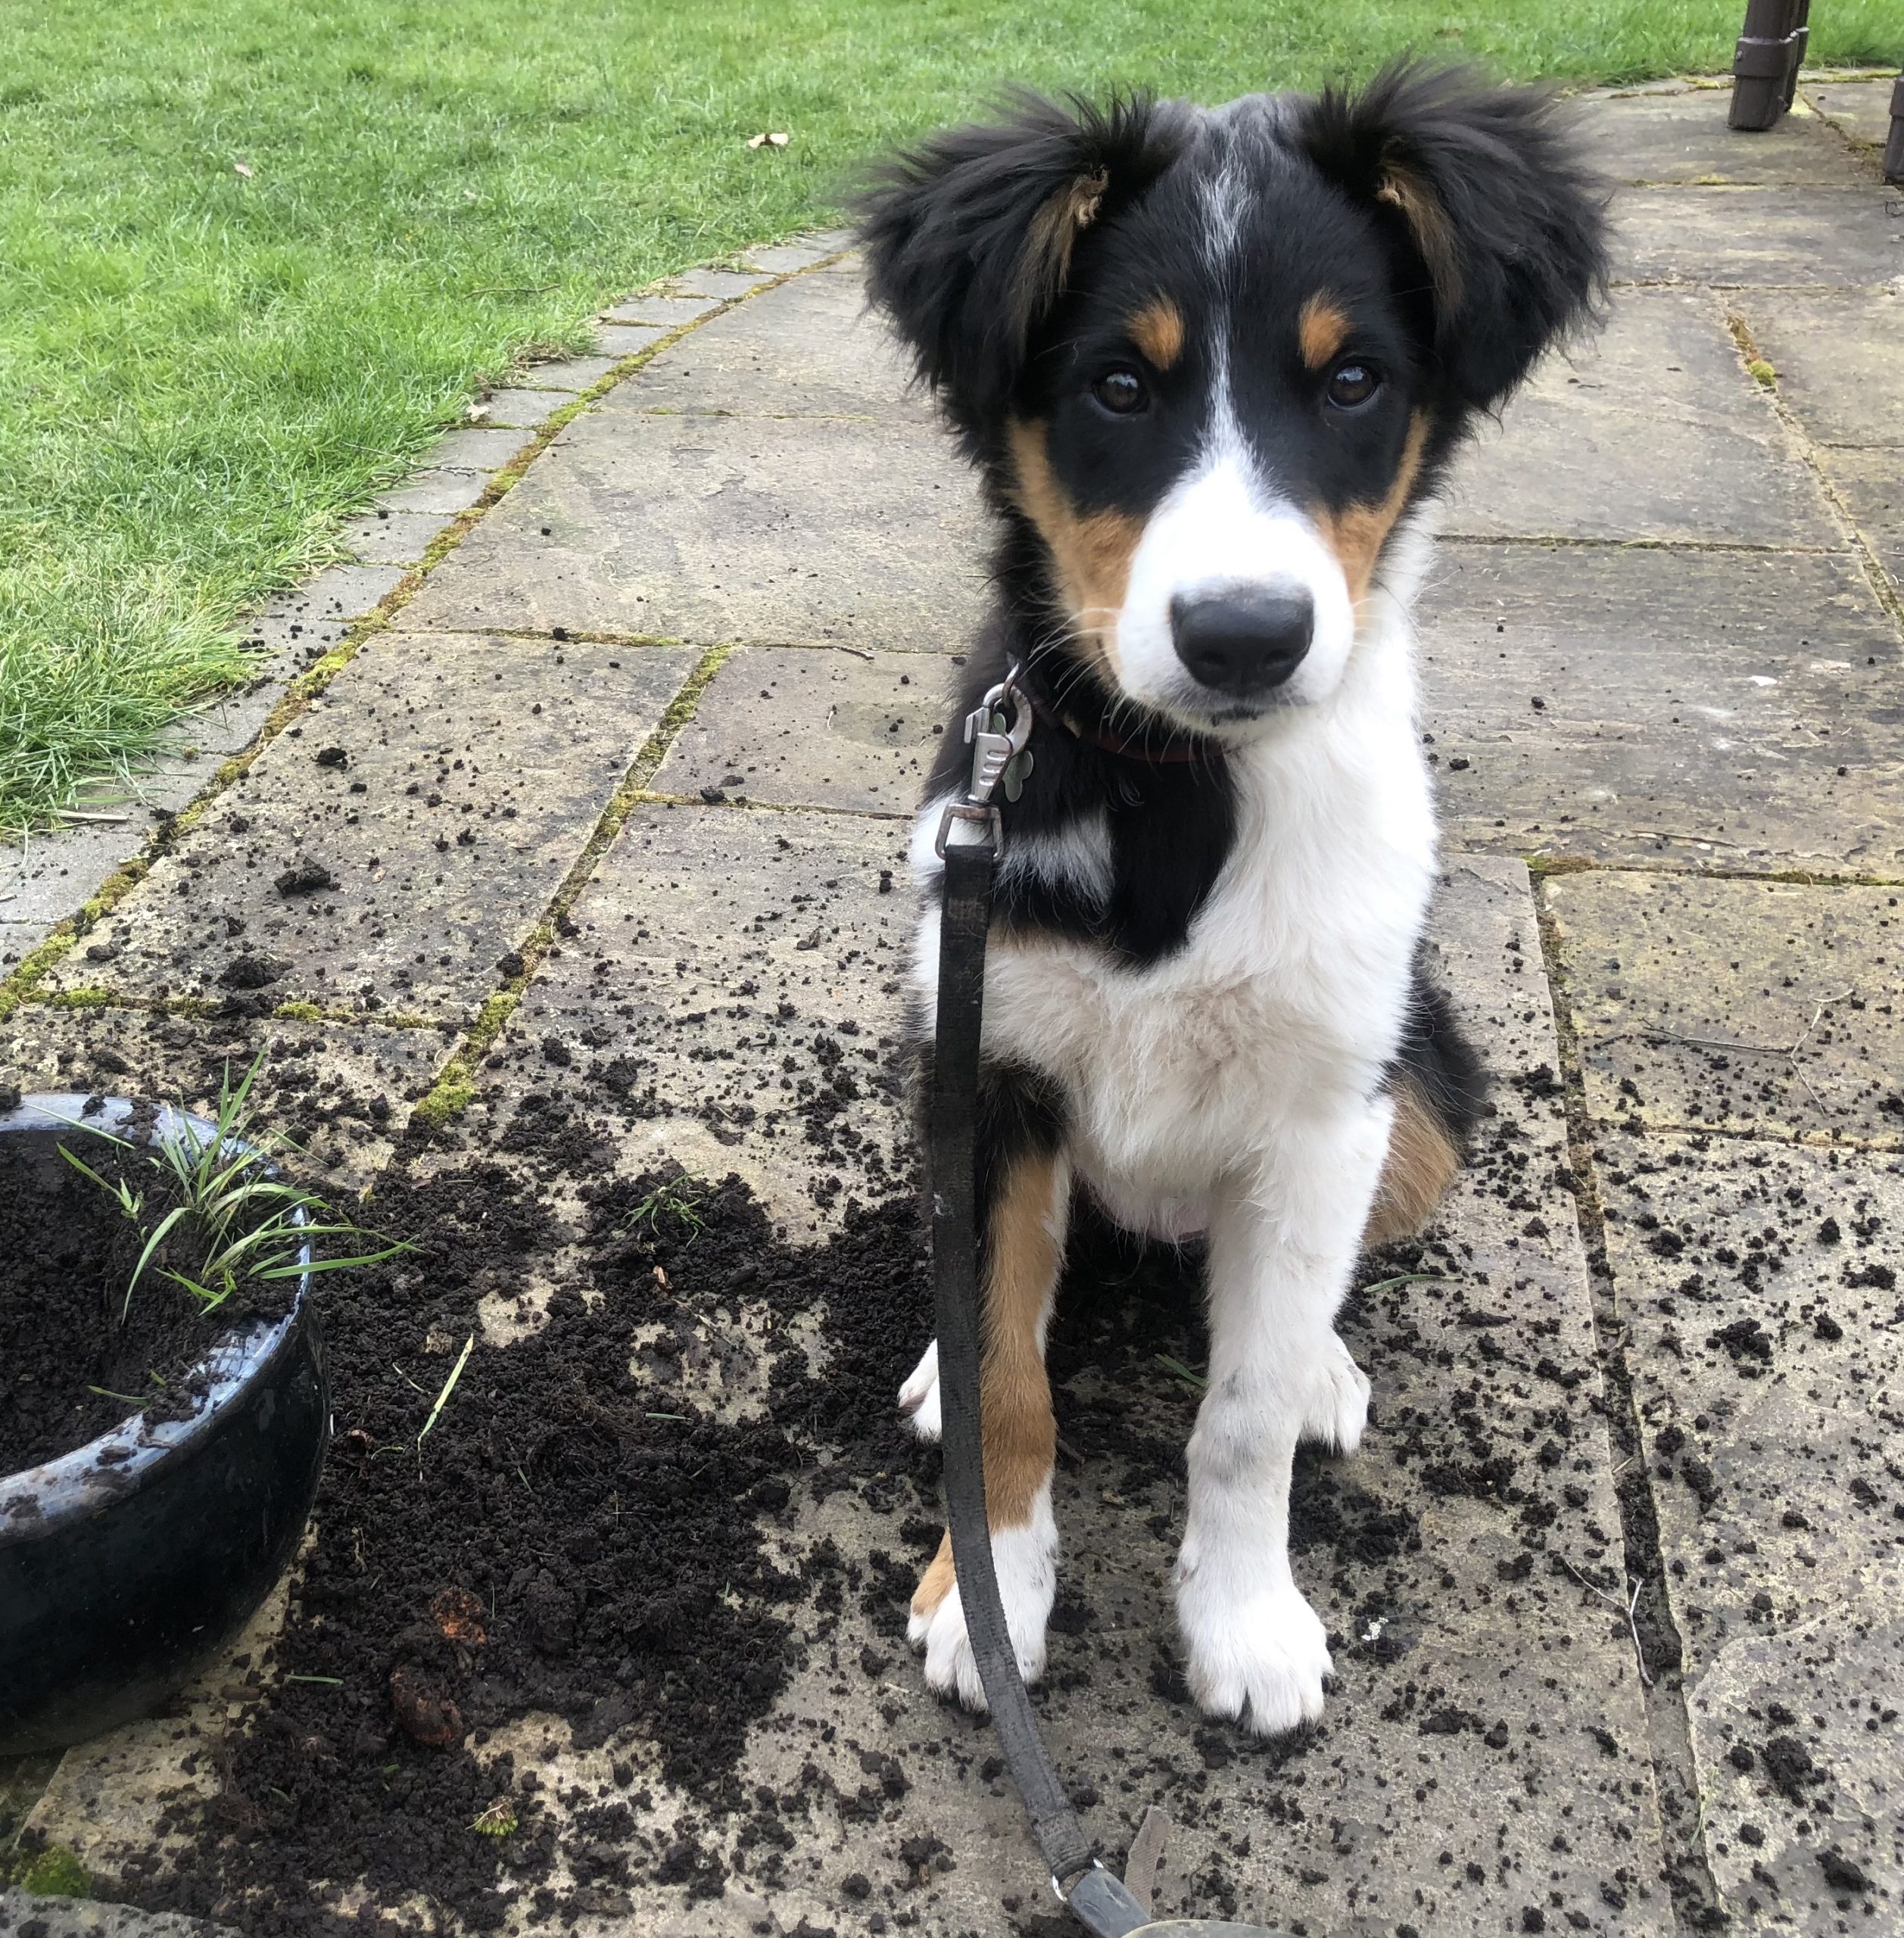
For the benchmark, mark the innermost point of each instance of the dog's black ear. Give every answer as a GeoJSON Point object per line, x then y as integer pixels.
{"type": "Point", "coordinates": [969, 234]}
{"type": "Point", "coordinates": [1486, 193]}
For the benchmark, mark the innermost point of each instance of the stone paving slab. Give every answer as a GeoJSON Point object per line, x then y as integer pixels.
{"type": "Point", "coordinates": [442, 492]}
{"type": "Point", "coordinates": [472, 772]}
{"type": "Point", "coordinates": [1757, 1284]}
{"type": "Point", "coordinates": [1691, 704]}
{"type": "Point", "coordinates": [43, 883]}
{"type": "Point", "coordinates": [804, 727]}
{"type": "Point", "coordinates": [343, 1091]}
{"type": "Point", "coordinates": [568, 373]}
{"type": "Point", "coordinates": [22, 1915]}
{"type": "Point", "coordinates": [1682, 137]}
{"type": "Point", "coordinates": [619, 340]}
{"type": "Point", "coordinates": [391, 538]}
{"type": "Point", "coordinates": [662, 313]}
{"type": "Point", "coordinates": [475, 447]}
{"type": "Point", "coordinates": [814, 352]}
{"type": "Point", "coordinates": [1651, 429]}
{"type": "Point", "coordinates": [1485, 1707]}
{"type": "Point", "coordinates": [710, 944]}
{"type": "Point", "coordinates": [48, 877]}
{"type": "Point", "coordinates": [786, 258]}
{"type": "Point", "coordinates": [1860, 109]}
{"type": "Point", "coordinates": [521, 405]}
{"type": "Point", "coordinates": [1838, 356]}
{"type": "Point", "coordinates": [1731, 962]}
{"type": "Point", "coordinates": [1738, 238]}
{"type": "Point", "coordinates": [714, 529]}
{"type": "Point", "coordinates": [339, 594]}
{"type": "Point", "coordinates": [723, 285]}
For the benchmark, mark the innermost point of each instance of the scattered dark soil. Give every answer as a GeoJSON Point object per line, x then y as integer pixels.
{"type": "Point", "coordinates": [592, 1545]}
{"type": "Point", "coordinates": [69, 1364]}
{"type": "Point", "coordinates": [582, 1536]}
{"type": "Point", "coordinates": [578, 1536]}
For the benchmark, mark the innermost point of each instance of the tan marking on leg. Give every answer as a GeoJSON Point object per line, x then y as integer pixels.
{"type": "Point", "coordinates": [1356, 534]}
{"type": "Point", "coordinates": [1421, 1164]}
{"type": "Point", "coordinates": [1158, 331]}
{"type": "Point", "coordinates": [1024, 1251]}
{"type": "Point", "coordinates": [1321, 330]}
{"type": "Point", "coordinates": [1090, 552]}
{"type": "Point", "coordinates": [935, 1584]}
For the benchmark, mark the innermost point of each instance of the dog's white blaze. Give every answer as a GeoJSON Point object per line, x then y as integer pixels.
{"type": "Point", "coordinates": [1222, 529]}
{"type": "Point", "coordinates": [1225, 202]}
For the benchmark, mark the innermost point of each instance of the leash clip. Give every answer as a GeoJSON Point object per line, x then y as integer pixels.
{"type": "Point", "coordinates": [1001, 754]}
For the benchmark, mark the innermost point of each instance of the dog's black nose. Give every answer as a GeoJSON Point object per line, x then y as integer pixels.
{"type": "Point", "coordinates": [1244, 642]}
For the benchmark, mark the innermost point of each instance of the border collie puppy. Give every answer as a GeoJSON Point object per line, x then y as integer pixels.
{"type": "Point", "coordinates": [1211, 365]}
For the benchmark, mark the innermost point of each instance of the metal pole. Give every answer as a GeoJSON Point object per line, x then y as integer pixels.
{"type": "Point", "coordinates": [1764, 62]}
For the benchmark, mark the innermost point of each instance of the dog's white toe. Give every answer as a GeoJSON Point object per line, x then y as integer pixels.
{"type": "Point", "coordinates": [1026, 1559]}
{"type": "Point", "coordinates": [1263, 1661]}
{"type": "Point", "coordinates": [1337, 1409]}
{"type": "Point", "coordinates": [919, 1396]}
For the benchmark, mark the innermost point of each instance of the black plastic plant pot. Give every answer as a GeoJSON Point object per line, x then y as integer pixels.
{"type": "Point", "coordinates": [127, 1564]}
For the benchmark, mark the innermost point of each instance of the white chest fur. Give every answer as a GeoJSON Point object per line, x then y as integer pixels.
{"type": "Point", "coordinates": [1289, 994]}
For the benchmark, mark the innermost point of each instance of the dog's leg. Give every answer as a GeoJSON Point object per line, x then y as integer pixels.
{"type": "Point", "coordinates": [1282, 1243]}
{"type": "Point", "coordinates": [1422, 1159]}
{"type": "Point", "coordinates": [1021, 1251]}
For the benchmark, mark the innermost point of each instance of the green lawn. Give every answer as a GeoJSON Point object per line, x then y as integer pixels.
{"type": "Point", "coordinates": [203, 369]}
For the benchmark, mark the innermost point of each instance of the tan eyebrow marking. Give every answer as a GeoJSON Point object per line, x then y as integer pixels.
{"type": "Point", "coordinates": [1321, 330]}
{"type": "Point", "coordinates": [1158, 331]}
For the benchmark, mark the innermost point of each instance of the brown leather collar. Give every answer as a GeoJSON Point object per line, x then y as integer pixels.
{"type": "Point", "coordinates": [1177, 748]}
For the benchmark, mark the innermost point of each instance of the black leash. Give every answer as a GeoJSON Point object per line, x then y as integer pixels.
{"type": "Point", "coordinates": [970, 837]}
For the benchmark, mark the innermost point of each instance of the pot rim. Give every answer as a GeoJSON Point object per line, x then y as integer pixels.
{"type": "Point", "coordinates": [37, 1501]}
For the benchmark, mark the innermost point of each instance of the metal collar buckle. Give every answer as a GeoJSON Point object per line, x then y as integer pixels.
{"type": "Point", "coordinates": [1001, 754]}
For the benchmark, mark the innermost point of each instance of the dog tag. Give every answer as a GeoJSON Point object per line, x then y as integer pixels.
{"type": "Point", "coordinates": [1013, 780]}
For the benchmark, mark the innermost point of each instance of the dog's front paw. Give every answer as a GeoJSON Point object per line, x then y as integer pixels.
{"type": "Point", "coordinates": [1338, 1407]}
{"type": "Point", "coordinates": [1026, 1559]}
{"type": "Point", "coordinates": [919, 1396]}
{"type": "Point", "coordinates": [1262, 1659]}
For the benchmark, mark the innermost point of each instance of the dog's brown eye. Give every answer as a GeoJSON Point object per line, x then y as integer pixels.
{"type": "Point", "coordinates": [1352, 384]}
{"type": "Point", "coordinates": [1121, 391]}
